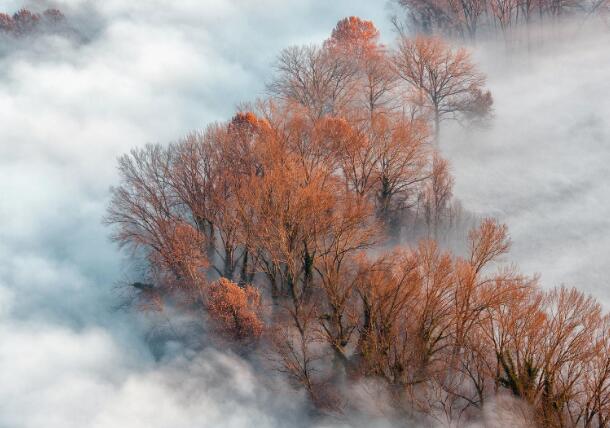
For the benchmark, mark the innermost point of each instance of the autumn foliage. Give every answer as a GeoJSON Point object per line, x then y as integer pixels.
{"type": "Point", "coordinates": [235, 310]}
{"type": "Point", "coordinates": [354, 36]}
{"type": "Point", "coordinates": [327, 204]}
{"type": "Point", "coordinates": [354, 76]}
{"type": "Point", "coordinates": [25, 22]}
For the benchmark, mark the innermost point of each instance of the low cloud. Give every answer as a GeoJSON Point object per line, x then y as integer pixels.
{"type": "Point", "coordinates": [542, 165]}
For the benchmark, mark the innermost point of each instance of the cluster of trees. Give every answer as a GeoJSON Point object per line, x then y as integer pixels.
{"type": "Point", "coordinates": [280, 225]}
{"type": "Point", "coordinates": [469, 18]}
{"type": "Point", "coordinates": [25, 22]}
{"type": "Point", "coordinates": [354, 75]}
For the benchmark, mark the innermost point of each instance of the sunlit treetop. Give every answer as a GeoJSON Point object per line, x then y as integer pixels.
{"type": "Point", "coordinates": [247, 121]}
{"type": "Point", "coordinates": [245, 118]}
{"type": "Point", "coordinates": [354, 33]}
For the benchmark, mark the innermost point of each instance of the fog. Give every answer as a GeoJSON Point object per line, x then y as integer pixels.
{"type": "Point", "coordinates": [542, 165]}
{"type": "Point", "coordinates": [150, 71]}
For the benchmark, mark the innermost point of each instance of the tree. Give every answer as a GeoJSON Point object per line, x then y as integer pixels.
{"type": "Point", "coordinates": [312, 77]}
{"type": "Point", "coordinates": [388, 288]}
{"type": "Point", "coordinates": [469, 19]}
{"type": "Point", "coordinates": [448, 79]}
{"type": "Point", "coordinates": [403, 158]}
{"type": "Point", "coordinates": [354, 35]}
{"type": "Point", "coordinates": [147, 215]}
{"type": "Point", "coordinates": [7, 24]}
{"type": "Point", "coordinates": [356, 40]}
{"type": "Point", "coordinates": [235, 310]}
{"type": "Point", "coordinates": [503, 11]}
{"type": "Point", "coordinates": [290, 205]}
{"type": "Point", "coordinates": [351, 229]}
{"type": "Point", "coordinates": [590, 405]}
{"type": "Point", "coordinates": [297, 354]}
{"type": "Point", "coordinates": [450, 17]}
{"type": "Point", "coordinates": [25, 21]}
{"type": "Point", "coordinates": [53, 15]}
{"type": "Point", "coordinates": [437, 195]}
{"type": "Point", "coordinates": [567, 345]}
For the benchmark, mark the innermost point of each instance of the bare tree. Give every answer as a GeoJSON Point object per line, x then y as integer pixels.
{"type": "Point", "coordinates": [437, 196]}
{"type": "Point", "coordinates": [312, 77]}
{"type": "Point", "coordinates": [447, 78]}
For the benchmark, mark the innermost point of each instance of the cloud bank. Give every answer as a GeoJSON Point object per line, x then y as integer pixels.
{"type": "Point", "coordinates": [542, 165]}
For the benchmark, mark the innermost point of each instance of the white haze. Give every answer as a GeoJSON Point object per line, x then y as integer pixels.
{"type": "Point", "coordinates": [155, 70]}
{"type": "Point", "coordinates": [543, 166]}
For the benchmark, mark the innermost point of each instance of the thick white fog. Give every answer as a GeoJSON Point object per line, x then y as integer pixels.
{"type": "Point", "coordinates": [543, 165]}
{"type": "Point", "coordinates": [154, 70]}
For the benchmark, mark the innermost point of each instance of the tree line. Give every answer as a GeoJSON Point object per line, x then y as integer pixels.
{"type": "Point", "coordinates": [25, 22]}
{"type": "Point", "coordinates": [281, 228]}
{"type": "Point", "coordinates": [469, 19]}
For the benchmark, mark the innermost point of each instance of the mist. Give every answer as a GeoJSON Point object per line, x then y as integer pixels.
{"type": "Point", "coordinates": [541, 165]}
{"type": "Point", "coordinates": [153, 71]}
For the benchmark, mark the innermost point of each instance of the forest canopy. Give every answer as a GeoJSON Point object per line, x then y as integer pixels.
{"type": "Point", "coordinates": [309, 228]}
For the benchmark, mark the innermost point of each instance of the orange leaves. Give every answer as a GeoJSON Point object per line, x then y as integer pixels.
{"type": "Point", "coordinates": [183, 248]}
{"type": "Point", "coordinates": [425, 306]}
{"type": "Point", "coordinates": [354, 29]}
{"type": "Point", "coordinates": [355, 77]}
{"type": "Point", "coordinates": [289, 201]}
{"type": "Point", "coordinates": [403, 159]}
{"type": "Point", "coordinates": [247, 122]}
{"type": "Point", "coordinates": [247, 118]}
{"type": "Point", "coordinates": [487, 243]}
{"type": "Point", "coordinates": [179, 263]}
{"type": "Point", "coordinates": [333, 133]}
{"type": "Point", "coordinates": [354, 35]}
{"type": "Point", "coordinates": [547, 347]}
{"type": "Point", "coordinates": [384, 160]}
{"type": "Point", "coordinates": [283, 204]}
{"type": "Point", "coordinates": [234, 310]}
